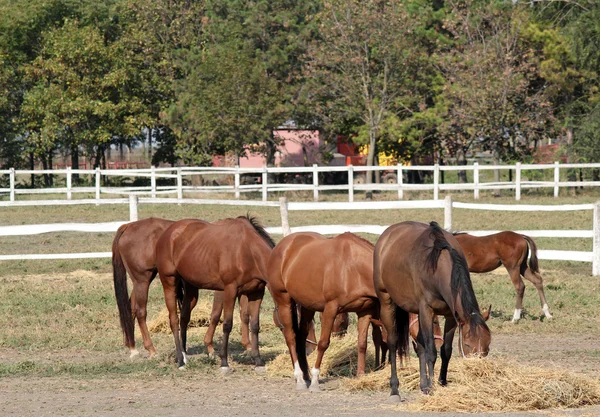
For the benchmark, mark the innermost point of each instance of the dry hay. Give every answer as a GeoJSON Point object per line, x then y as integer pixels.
{"type": "Point", "coordinates": [478, 385]}
{"type": "Point", "coordinates": [200, 317]}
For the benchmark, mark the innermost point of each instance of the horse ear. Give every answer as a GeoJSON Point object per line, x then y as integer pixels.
{"type": "Point", "coordinates": [486, 314]}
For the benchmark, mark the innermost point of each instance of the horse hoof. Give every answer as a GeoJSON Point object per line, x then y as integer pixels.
{"type": "Point", "coordinates": [425, 391]}
{"type": "Point", "coordinates": [314, 388]}
{"type": "Point", "coordinates": [182, 368]}
{"type": "Point", "coordinates": [394, 399]}
{"type": "Point", "coordinates": [134, 354]}
{"type": "Point", "coordinates": [226, 370]}
{"type": "Point", "coordinates": [301, 386]}
{"type": "Point", "coordinates": [260, 369]}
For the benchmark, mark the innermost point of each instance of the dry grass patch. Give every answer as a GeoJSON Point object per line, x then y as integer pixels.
{"type": "Point", "coordinates": [483, 385]}
{"type": "Point", "coordinates": [200, 317]}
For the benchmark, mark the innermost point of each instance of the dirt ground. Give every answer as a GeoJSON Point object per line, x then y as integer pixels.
{"type": "Point", "coordinates": [244, 393]}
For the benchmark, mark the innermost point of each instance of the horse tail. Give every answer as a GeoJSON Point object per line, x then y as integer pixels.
{"type": "Point", "coordinates": [300, 341]}
{"type": "Point", "coordinates": [403, 332]}
{"type": "Point", "coordinates": [179, 292]}
{"type": "Point", "coordinates": [121, 294]}
{"type": "Point", "coordinates": [533, 261]}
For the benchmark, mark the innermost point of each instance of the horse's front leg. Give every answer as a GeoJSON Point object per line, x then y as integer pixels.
{"type": "Point", "coordinates": [446, 350]}
{"type": "Point", "coordinates": [253, 302]}
{"type": "Point", "coordinates": [229, 296]}
{"type": "Point", "coordinates": [215, 316]}
{"type": "Point", "coordinates": [426, 348]}
{"type": "Point", "coordinates": [327, 320]}
{"type": "Point", "coordinates": [170, 291]}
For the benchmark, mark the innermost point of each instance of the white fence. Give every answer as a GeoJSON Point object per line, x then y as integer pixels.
{"type": "Point", "coordinates": [447, 204]}
{"type": "Point", "coordinates": [232, 178]}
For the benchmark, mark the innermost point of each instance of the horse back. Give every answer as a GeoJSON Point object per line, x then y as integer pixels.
{"type": "Point", "coordinates": [486, 253]}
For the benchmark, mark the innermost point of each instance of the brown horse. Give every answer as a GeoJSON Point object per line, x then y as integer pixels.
{"type": "Point", "coordinates": [229, 255]}
{"type": "Point", "coordinates": [133, 253]}
{"type": "Point", "coordinates": [420, 268]}
{"type": "Point", "coordinates": [486, 253]}
{"type": "Point", "coordinates": [328, 275]}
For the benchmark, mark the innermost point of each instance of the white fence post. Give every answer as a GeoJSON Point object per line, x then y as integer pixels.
{"type": "Point", "coordinates": [179, 185]}
{"type": "Point", "coordinates": [596, 244]}
{"type": "Point", "coordinates": [448, 213]}
{"type": "Point", "coordinates": [399, 181]}
{"type": "Point", "coordinates": [350, 184]}
{"type": "Point", "coordinates": [285, 223]}
{"type": "Point", "coordinates": [556, 178]}
{"type": "Point", "coordinates": [265, 197]}
{"type": "Point", "coordinates": [153, 180]}
{"type": "Point", "coordinates": [476, 180]}
{"type": "Point", "coordinates": [69, 183]}
{"type": "Point", "coordinates": [236, 182]}
{"type": "Point", "coordinates": [518, 181]}
{"type": "Point", "coordinates": [97, 185]}
{"type": "Point", "coordinates": [12, 184]}
{"type": "Point", "coordinates": [133, 208]}
{"type": "Point", "coordinates": [315, 182]}
{"type": "Point", "coordinates": [436, 181]}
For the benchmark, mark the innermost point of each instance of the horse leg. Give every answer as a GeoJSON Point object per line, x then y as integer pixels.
{"type": "Point", "coordinates": [446, 350]}
{"type": "Point", "coordinates": [133, 352]}
{"type": "Point", "coordinates": [327, 319]}
{"type": "Point", "coordinates": [387, 315]}
{"type": "Point", "coordinates": [190, 298]}
{"type": "Point", "coordinates": [538, 281]}
{"type": "Point", "coordinates": [515, 277]}
{"type": "Point", "coordinates": [229, 296]}
{"type": "Point", "coordinates": [139, 297]}
{"type": "Point", "coordinates": [215, 316]}
{"type": "Point", "coordinates": [311, 338]}
{"type": "Point", "coordinates": [254, 301]}
{"type": "Point", "coordinates": [284, 305]}
{"type": "Point", "coordinates": [169, 284]}
{"type": "Point", "coordinates": [364, 318]}
{"type": "Point", "coordinates": [245, 320]}
{"type": "Point", "coordinates": [426, 348]}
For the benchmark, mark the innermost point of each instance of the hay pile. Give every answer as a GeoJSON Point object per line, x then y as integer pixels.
{"type": "Point", "coordinates": [200, 317]}
{"type": "Point", "coordinates": [480, 385]}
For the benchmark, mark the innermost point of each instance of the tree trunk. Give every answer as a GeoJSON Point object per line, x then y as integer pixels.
{"type": "Point", "coordinates": [51, 177]}
{"type": "Point", "coordinates": [150, 145]}
{"type": "Point", "coordinates": [371, 161]}
{"type": "Point", "coordinates": [75, 161]}
{"type": "Point", "coordinates": [461, 160]}
{"type": "Point", "coordinates": [496, 173]}
{"type": "Point", "coordinates": [32, 167]}
{"type": "Point", "coordinates": [571, 173]}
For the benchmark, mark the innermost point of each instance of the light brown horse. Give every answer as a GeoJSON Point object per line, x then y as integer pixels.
{"type": "Point", "coordinates": [134, 254]}
{"type": "Point", "coordinates": [486, 253]}
{"type": "Point", "coordinates": [229, 255]}
{"type": "Point", "coordinates": [328, 275]}
{"type": "Point", "coordinates": [420, 268]}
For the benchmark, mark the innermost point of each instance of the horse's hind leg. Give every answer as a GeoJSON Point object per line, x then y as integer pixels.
{"type": "Point", "coordinates": [388, 318]}
{"type": "Point", "coordinates": [190, 298]}
{"type": "Point", "coordinates": [519, 285]}
{"type": "Point", "coordinates": [446, 350]}
{"type": "Point", "coordinates": [364, 318]}
{"type": "Point", "coordinates": [139, 297]}
{"type": "Point", "coordinates": [215, 316]}
{"type": "Point", "coordinates": [245, 320]}
{"type": "Point", "coordinates": [254, 301]}
{"type": "Point", "coordinates": [538, 281]}
{"type": "Point", "coordinates": [169, 284]}
{"type": "Point", "coordinates": [426, 348]}
{"type": "Point", "coordinates": [229, 296]}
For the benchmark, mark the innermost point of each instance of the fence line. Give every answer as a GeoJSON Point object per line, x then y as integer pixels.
{"type": "Point", "coordinates": [265, 186]}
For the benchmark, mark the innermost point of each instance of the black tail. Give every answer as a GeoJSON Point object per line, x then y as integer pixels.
{"type": "Point", "coordinates": [533, 261]}
{"type": "Point", "coordinates": [120, 283]}
{"type": "Point", "coordinates": [179, 292]}
{"type": "Point", "coordinates": [403, 332]}
{"type": "Point", "coordinates": [300, 342]}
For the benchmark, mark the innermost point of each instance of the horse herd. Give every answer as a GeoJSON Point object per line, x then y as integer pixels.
{"type": "Point", "coordinates": [414, 268]}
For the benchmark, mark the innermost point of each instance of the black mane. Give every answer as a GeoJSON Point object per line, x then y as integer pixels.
{"type": "Point", "coordinates": [259, 229]}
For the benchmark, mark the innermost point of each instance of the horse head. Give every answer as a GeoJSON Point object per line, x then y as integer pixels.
{"type": "Point", "coordinates": [474, 334]}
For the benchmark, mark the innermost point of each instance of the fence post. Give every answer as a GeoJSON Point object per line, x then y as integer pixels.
{"type": "Point", "coordinates": [518, 182]}
{"type": "Point", "coordinates": [476, 180]}
{"type": "Point", "coordinates": [448, 213]}
{"type": "Point", "coordinates": [97, 185]}
{"type": "Point", "coordinates": [265, 197]}
{"type": "Point", "coordinates": [399, 181]}
{"type": "Point", "coordinates": [236, 182]}
{"type": "Point", "coordinates": [133, 208]}
{"type": "Point", "coordinates": [556, 178]}
{"type": "Point", "coordinates": [436, 181]}
{"type": "Point", "coordinates": [69, 183]}
{"type": "Point", "coordinates": [315, 182]}
{"type": "Point", "coordinates": [12, 184]}
{"type": "Point", "coordinates": [596, 245]}
{"type": "Point", "coordinates": [350, 184]}
{"type": "Point", "coordinates": [153, 180]}
{"type": "Point", "coordinates": [179, 185]}
{"type": "Point", "coordinates": [285, 223]}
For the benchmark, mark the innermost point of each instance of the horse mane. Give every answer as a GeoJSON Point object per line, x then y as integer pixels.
{"type": "Point", "coordinates": [259, 229]}
{"type": "Point", "coordinates": [460, 281]}
{"type": "Point", "coordinates": [458, 233]}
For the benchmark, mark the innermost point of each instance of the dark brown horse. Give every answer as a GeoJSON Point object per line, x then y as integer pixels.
{"type": "Point", "coordinates": [486, 253]}
{"type": "Point", "coordinates": [328, 275]}
{"type": "Point", "coordinates": [420, 268]}
{"type": "Point", "coordinates": [134, 254]}
{"type": "Point", "coordinates": [229, 255]}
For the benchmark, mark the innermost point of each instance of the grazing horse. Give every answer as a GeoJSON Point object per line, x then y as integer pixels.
{"type": "Point", "coordinates": [230, 256]}
{"type": "Point", "coordinates": [420, 268]}
{"type": "Point", "coordinates": [328, 275]}
{"type": "Point", "coordinates": [486, 253]}
{"type": "Point", "coordinates": [134, 254]}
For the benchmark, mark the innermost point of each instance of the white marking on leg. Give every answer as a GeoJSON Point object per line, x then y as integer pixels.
{"type": "Point", "coordinates": [300, 384]}
{"type": "Point", "coordinates": [314, 382]}
{"type": "Point", "coordinates": [517, 315]}
{"type": "Point", "coordinates": [546, 311]}
{"type": "Point", "coordinates": [185, 359]}
{"type": "Point", "coordinates": [134, 353]}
